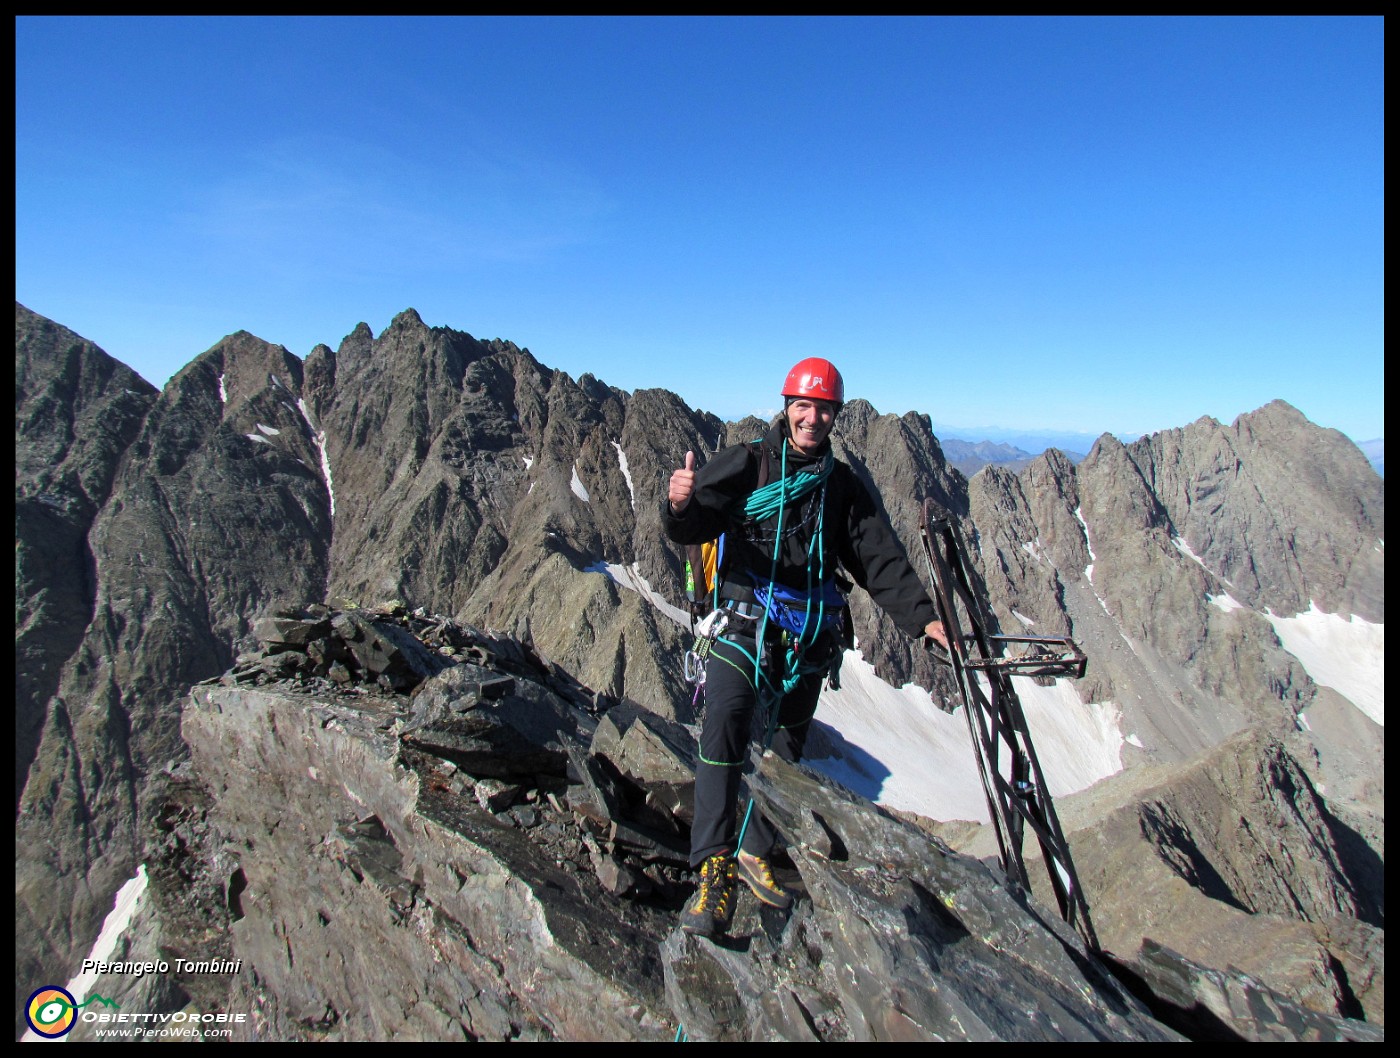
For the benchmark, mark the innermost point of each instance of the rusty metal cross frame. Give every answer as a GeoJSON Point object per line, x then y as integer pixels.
{"type": "Point", "coordinates": [1014, 785]}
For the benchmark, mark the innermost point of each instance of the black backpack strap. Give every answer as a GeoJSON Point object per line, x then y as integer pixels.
{"type": "Point", "coordinates": [765, 464]}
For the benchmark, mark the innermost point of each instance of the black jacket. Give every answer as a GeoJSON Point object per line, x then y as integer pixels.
{"type": "Point", "coordinates": [855, 533]}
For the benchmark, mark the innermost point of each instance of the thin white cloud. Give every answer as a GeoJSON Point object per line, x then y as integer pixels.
{"type": "Point", "coordinates": [323, 206]}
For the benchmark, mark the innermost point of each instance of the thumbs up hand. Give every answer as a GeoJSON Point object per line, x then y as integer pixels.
{"type": "Point", "coordinates": [682, 485]}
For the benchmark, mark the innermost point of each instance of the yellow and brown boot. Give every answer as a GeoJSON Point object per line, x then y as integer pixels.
{"type": "Point", "coordinates": [713, 907]}
{"type": "Point", "coordinates": [757, 874]}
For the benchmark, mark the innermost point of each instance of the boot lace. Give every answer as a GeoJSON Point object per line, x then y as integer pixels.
{"type": "Point", "coordinates": [717, 883]}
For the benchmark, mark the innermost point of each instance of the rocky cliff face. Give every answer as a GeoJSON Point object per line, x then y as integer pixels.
{"type": "Point", "coordinates": [1134, 551]}
{"type": "Point", "coordinates": [461, 476]}
{"type": "Point", "coordinates": [76, 412]}
{"type": "Point", "coordinates": [213, 513]}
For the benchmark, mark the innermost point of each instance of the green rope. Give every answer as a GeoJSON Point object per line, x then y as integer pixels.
{"type": "Point", "coordinates": [764, 503]}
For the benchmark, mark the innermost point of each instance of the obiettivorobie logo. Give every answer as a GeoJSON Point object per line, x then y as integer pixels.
{"type": "Point", "coordinates": [52, 1011]}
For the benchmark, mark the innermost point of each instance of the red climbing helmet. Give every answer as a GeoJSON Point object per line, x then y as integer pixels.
{"type": "Point", "coordinates": [815, 379]}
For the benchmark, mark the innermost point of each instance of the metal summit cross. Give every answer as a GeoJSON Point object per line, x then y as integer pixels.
{"type": "Point", "coordinates": [983, 664]}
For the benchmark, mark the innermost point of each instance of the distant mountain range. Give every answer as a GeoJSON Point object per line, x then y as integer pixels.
{"type": "Point", "coordinates": [1375, 452]}
{"type": "Point", "coordinates": [1014, 451]}
{"type": "Point", "coordinates": [972, 456]}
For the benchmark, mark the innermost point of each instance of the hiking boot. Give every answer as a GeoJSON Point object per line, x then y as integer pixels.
{"type": "Point", "coordinates": [709, 913]}
{"type": "Point", "coordinates": [758, 876]}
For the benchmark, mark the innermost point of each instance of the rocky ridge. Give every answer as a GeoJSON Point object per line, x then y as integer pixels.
{"type": "Point", "coordinates": [507, 848]}
{"type": "Point", "coordinates": [464, 477]}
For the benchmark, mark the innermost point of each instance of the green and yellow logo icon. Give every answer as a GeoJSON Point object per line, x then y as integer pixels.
{"type": "Point", "coordinates": [51, 1011]}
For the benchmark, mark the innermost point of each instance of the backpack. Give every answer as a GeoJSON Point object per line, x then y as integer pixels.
{"type": "Point", "coordinates": [704, 563]}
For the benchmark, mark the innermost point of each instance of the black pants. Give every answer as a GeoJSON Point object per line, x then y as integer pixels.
{"type": "Point", "coordinates": [728, 726]}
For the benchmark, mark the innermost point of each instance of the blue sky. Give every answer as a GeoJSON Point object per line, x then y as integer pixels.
{"type": "Point", "coordinates": [1033, 224]}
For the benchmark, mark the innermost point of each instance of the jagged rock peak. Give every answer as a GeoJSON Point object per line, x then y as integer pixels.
{"type": "Point", "coordinates": [45, 346]}
{"type": "Point", "coordinates": [239, 365]}
{"type": "Point", "coordinates": [1106, 441]}
{"type": "Point", "coordinates": [857, 413]}
{"type": "Point", "coordinates": [410, 321]}
{"type": "Point", "coordinates": [61, 381]}
{"type": "Point", "coordinates": [1278, 411]}
{"type": "Point", "coordinates": [1056, 462]}
{"type": "Point", "coordinates": [1306, 499]}
{"type": "Point", "coordinates": [597, 389]}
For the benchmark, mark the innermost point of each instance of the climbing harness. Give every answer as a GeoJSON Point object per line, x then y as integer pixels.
{"type": "Point", "coordinates": [792, 609]}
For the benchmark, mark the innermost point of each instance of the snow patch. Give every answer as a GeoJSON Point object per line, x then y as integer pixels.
{"type": "Point", "coordinates": [622, 462]}
{"type": "Point", "coordinates": [1226, 602]}
{"type": "Point", "coordinates": [529, 461]}
{"type": "Point", "coordinates": [257, 437]}
{"type": "Point", "coordinates": [223, 393]}
{"type": "Point", "coordinates": [1079, 513]}
{"type": "Point", "coordinates": [1077, 743]}
{"type": "Point", "coordinates": [908, 754]}
{"type": "Point", "coordinates": [576, 486]}
{"type": "Point", "coordinates": [1344, 653]}
{"type": "Point", "coordinates": [630, 577]}
{"type": "Point", "coordinates": [913, 756]}
{"type": "Point", "coordinates": [128, 901]}
{"type": "Point", "coordinates": [1185, 549]}
{"type": "Point", "coordinates": [1133, 740]}
{"type": "Point", "coordinates": [1023, 619]}
{"type": "Point", "coordinates": [271, 431]}
{"type": "Point", "coordinates": [319, 436]}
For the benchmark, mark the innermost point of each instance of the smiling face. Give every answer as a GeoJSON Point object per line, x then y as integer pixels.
{"type": "Point", "coordinates": [809, 422]}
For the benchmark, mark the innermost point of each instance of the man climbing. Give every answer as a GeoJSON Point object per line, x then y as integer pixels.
{"type": "Point", "coordinates": [789, 513]}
